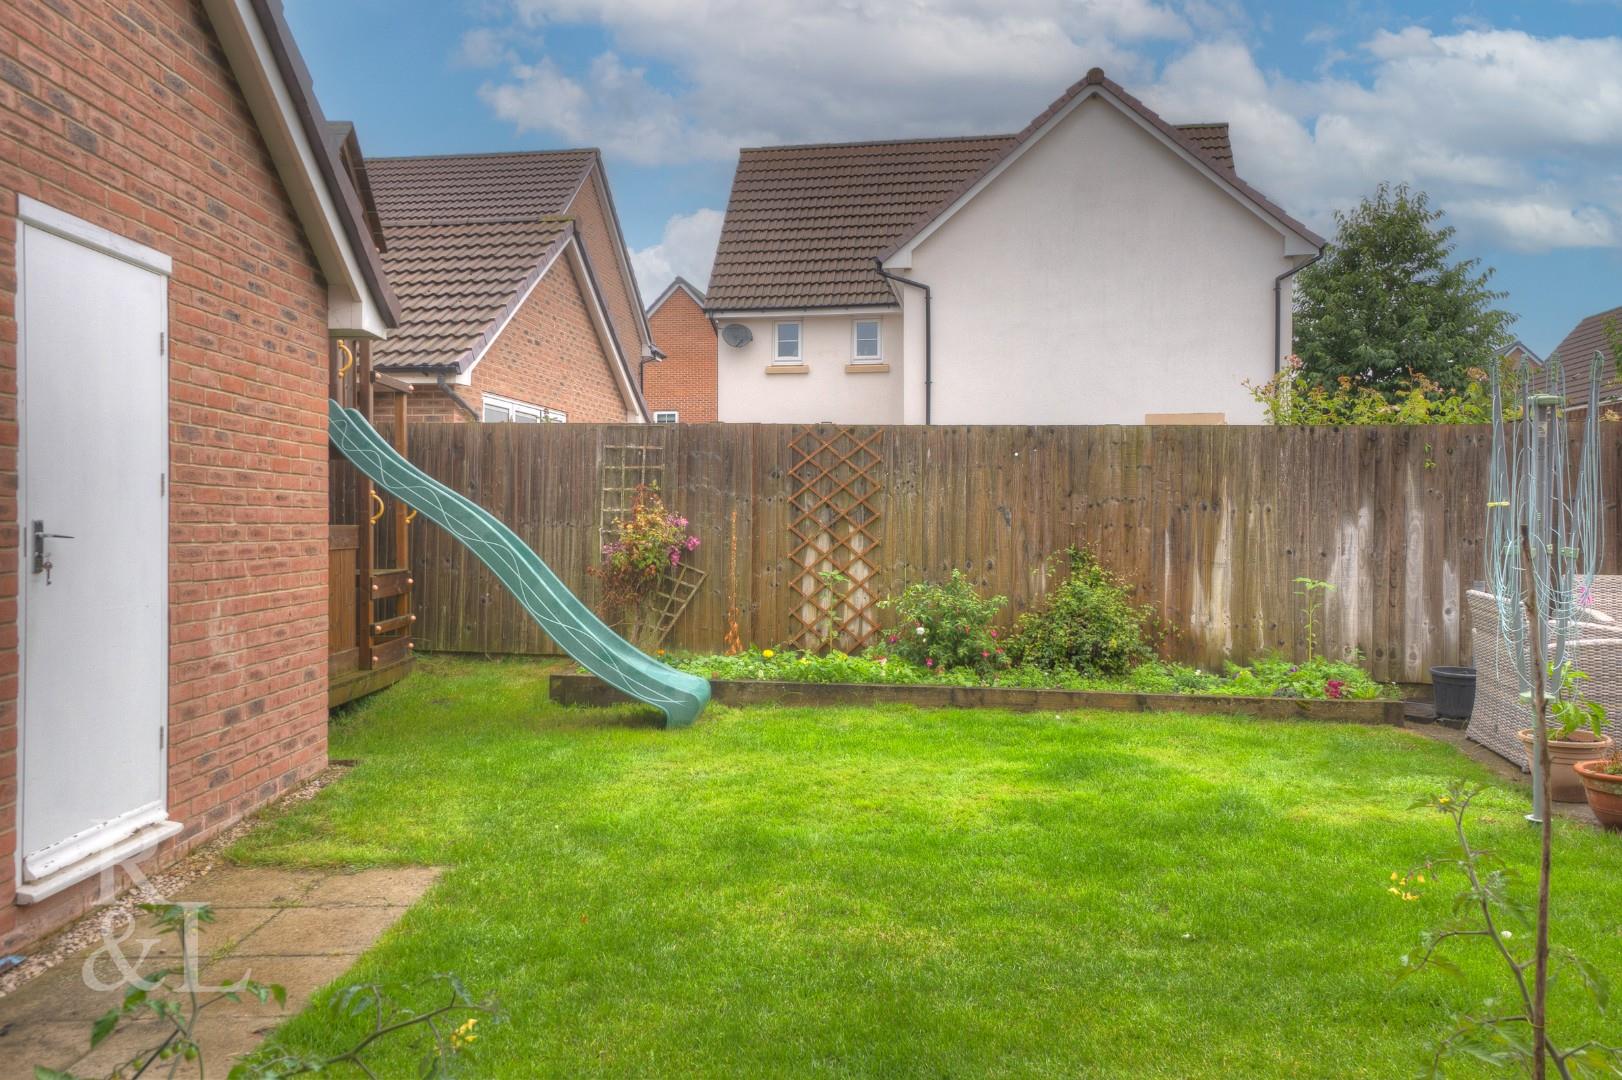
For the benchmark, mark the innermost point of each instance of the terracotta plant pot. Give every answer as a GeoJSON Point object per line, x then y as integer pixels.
{"type": "Point", "coordinates": [1604, 792]}
{"type": "Point", "coordinates": [1564, 754]}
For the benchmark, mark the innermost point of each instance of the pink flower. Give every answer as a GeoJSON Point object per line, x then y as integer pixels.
{"type": "Point", "coordinates": [692, 543]}
{"type": "Point", "coordinates": [929, 662]}
{"type": "Point", "coordinates": [993, 635]}
{"type": "Point", "coordinates": [1334, 687]}
{"type": "Point", "coordinates": [984, 654]}
{"type": "Point", "coordinates": [891, 639]}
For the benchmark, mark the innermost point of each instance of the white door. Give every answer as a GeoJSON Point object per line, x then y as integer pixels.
{"type": "Point", "coordinates": [93, 539]}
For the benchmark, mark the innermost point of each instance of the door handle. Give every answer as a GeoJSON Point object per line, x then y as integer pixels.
{"type": "Point", "coordinates": [42, 560]}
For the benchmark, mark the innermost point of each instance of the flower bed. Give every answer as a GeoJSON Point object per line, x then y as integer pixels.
{"type": "Point", "coordinates": [1317, 679]}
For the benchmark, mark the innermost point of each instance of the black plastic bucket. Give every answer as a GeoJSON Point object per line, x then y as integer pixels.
{"type": "Point", "coordinates": [1455, 691]}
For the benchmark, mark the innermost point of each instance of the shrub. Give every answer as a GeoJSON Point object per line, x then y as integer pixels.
{"type": "Point", "coordinates": [946, 625]}
{"type": "Point", "coordinates": [1088, 624]}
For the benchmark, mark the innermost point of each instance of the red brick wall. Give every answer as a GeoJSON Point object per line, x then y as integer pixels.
{"type": "Point", "coordinates": [126, 115]}
{"type": "Point", "coordinates": [685, 380]}
{"type": "Point", "coordinates": [603, 248]}
{"type": "Point", "coordinates": [550, 354]}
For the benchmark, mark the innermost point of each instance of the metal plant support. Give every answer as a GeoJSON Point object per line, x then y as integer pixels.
{"type": "Point", "coordinates": [1531, 489]}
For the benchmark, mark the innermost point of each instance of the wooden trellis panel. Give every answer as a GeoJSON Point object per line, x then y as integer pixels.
{"type": "Point", "coordinates": [626, 468]}
{"type": "Point", "coordinates": [671, 597]}
{"type": "Point", "coordinates": [834, 529]}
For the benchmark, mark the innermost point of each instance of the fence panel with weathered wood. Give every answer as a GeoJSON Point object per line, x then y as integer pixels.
{"type": "Point", "coordinates": [1211, 524]}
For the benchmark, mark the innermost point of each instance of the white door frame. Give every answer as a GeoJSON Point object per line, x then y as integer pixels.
{"type": "Point", "coordinates": [136, 834]}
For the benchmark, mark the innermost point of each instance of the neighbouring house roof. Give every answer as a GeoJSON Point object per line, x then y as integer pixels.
{"type": "Point", "coordinates": [520, 185]}
{"type": "Point", "coordinates": [1577, 351]}
{"type": "Point", "coordinates": [468, 238]}
{"type": "Point", "coordinates": [804, 224]}
{"type": "Point", "coordinates": [458, 282]}
{"type": "Point", "coordinates": [271, 71]}
{"type": "Point", "coordinates": [684, 285]}
{"type": "Point", "coordinates": [1520, 346]}
{"type": "Point", "coordinates": [478, 187]}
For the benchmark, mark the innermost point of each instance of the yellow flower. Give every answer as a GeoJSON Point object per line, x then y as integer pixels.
{"type": "Point", "coordinates": [767, 653]}
{"type": "Point", "coordinates": [1393, 875]}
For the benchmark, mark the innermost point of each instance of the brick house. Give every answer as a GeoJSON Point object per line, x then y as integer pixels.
{"type": "Point", "coordinates": [178, 244]}
{"type": "Point", "coordinates": [681, 387]}
{"type": "Point", "coordinates": [516, 290]}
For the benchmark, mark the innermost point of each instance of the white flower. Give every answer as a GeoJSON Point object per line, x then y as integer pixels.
{"type": "Point", "coordinates": [920, 631]}
{"type": "Point", "coordinates": [1505, 934]}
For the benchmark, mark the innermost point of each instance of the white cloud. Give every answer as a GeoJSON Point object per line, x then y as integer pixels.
{"type": "Point", "coordinates": [756, 71]}
{"type": "Point", "coordinates": [686, 249]}
{"type": "Point", "coordinates": [483, 47]}
{"type": "Point", "coordinates": [1518, 136]}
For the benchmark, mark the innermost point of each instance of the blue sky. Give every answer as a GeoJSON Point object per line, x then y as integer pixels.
{"type": "Point", "coordinates": [1509, 114]}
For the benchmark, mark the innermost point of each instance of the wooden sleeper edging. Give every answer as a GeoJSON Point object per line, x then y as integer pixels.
{"type": "Point", "coordinates": [581, 689]}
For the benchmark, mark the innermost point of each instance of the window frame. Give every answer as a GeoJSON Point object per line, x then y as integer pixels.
{"type": "Point", "coordinates": [856, 356]}
{"type": "Point", "coordinates": [532, 414]}
{"type": "Point", "coordinates": [674, 414]}
{"type": "Point", "coordinates": [799, 342]}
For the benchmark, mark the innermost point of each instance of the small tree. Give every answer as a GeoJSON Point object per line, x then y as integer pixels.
{"type": "Point", "coordinates": [1386, 301]}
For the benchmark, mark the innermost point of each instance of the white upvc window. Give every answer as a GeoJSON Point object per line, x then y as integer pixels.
{"type": "Point", "coordinates": [666, 416]}
{"type": "Point", "coordinates": [500, 410]}
{"type": "Point", "coordinates": [865, 348]}
{"type": "Point", "coordinates": [788, 343]}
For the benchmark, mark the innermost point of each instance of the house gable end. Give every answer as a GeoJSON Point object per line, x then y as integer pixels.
{"type": "Point", "coordinates": [1297, 238]}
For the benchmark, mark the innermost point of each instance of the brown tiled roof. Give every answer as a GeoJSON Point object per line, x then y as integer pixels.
{"type": "Point", "coordinates": [457, 282]}
{"type": "Point", "coordinates": [477, 187]}
{"type": "Point", "coordinates": [1212, 140]}
{"type": "Point", "coordinates": [805, 223]}
{"type": "Point", "coordinates": [467, 234]}
{"type": "Point", "coordinates": [1577, 351]}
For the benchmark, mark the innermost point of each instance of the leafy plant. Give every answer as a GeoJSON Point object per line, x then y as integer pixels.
{"type": "Point", "coordinates": [1312, 591]}
{"type": "Point", "coordinates": [946, 625]}
{"type": "Point", "coordinates": [1567, 707]}
{"type": "Point", "coordinates": [171, 997]}
{"type": "Point", "coordinates": [830, 579]}
{"type": "Point", "coordinates": [1087, 624]}
{"type": "Point", "coordinates": [1512, 1035]}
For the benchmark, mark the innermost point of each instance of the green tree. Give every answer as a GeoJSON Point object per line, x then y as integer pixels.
{"type": "Point", "coordinates": [1387, 299]}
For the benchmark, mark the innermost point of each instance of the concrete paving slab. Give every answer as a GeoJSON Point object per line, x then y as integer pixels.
{"type": "Point", "coordinates": [301, 928]}
{"type": "Point", "coordinates": [320, 931]}
{"type": "Point", "coordinates": [374, 888]}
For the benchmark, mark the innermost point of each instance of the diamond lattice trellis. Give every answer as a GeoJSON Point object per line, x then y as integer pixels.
{"type": "Point", "coordinates": [833, 530]}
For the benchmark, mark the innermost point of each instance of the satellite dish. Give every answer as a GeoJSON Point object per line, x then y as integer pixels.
{"type": "Point", "coordinates": [737, 335]}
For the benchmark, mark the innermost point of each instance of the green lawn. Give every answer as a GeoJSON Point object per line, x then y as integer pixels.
{"type": "Point", "coordinates": [893, 892]}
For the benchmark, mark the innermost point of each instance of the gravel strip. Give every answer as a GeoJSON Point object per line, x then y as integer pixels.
{"type": "Point", "coordinates": [88, 928]}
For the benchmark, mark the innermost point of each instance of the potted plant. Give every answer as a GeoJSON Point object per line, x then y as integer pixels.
{"type": "Point", "coordinates": [1602, 781]}
{"type": "Point", "coordinates": [1575, 734]}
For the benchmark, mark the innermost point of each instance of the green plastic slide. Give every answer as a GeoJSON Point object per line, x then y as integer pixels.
{"type": "Point", "coordinates": [585, 637]}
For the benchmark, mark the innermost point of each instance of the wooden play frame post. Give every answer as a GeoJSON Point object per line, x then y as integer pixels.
{"type": "Point", "coordinates": [368, 649]}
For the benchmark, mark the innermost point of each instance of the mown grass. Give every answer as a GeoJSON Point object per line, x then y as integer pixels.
{"type": "Point", "coordinates": [896, 892]}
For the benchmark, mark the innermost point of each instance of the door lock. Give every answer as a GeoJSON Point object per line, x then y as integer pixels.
{"type": "Point", "coordinates": [42, 559]}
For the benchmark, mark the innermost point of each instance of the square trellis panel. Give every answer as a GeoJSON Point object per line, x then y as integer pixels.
{"type": "Point", "coordinates": [833, 535]}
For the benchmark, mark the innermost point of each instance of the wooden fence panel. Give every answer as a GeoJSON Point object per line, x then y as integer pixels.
{"type": "Point", "coordinates": [1211, 524]}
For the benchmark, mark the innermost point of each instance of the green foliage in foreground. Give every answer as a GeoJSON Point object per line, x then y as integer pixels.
{"type": "Point", "coordinates": [1264, 678]}
{"type": "Point", "coordinates": [905, 893]}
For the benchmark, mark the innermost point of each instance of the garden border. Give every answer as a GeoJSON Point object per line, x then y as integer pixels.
{"type": "Point", "coordinates": [569, 688]}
